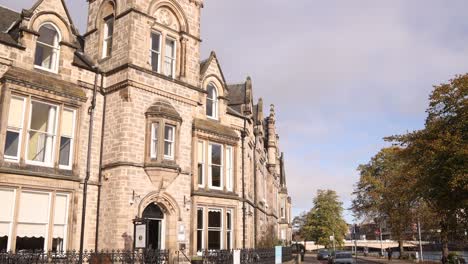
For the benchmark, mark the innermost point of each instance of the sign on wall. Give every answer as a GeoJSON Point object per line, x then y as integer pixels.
{"type": "Point", "coordinates": [140, 236]}
{"type": "Point", "coordinates": [181, 232]}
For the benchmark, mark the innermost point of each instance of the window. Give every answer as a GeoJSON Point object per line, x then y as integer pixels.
{"type": "Point", "coordinates": [201, 163]}
{"type": "Point", "coordinates": [200, 228]}
{"type": "Point", "coordinates": [47, 48]}
{"type": "Point", "coordinates": [7, 207]}
{"type": "Point", "coordinates": [229, 168]}
{"type": "Point", "coordinates": [155, 52]}
{"type": "Point", "coordinates": [229, 229]}
{"type": "Point", "coordinates": [215, 166]}
{"type": "Point", "coordinates": [42, 133]}
{"type": "Point", "coordinates": [170, 58]}
{"type": "Point", "coordinates": [283, 208]}
{"type": "Point", "coordinates": [108, 35]}
{"type": "Point", "coordinates": [15, 128]}
{"type": "Point", "coordinates": [154, 140]}
{"type": "Point", "coordinates": [215, 228]}
{"type": "Point", "coordinates": [169, 132]}
{"type": "Point", "coordinates": [66, 139]}
{"type": "Point", "coordinates": [34, 224]}
{"type": "Point", "coordinates": [212, 102]}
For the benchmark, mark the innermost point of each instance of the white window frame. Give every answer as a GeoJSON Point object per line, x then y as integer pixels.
{"type": "Point", "coordinates": [171, 142]}
{"type": "Point", "coordinates": [106, 38]}
{"type": "Point", "coordinates": [201, 161]}
{"type": "Point", "coordinates": [155, 51]}
{"type": "Point", "coordinates": [55, 50]}
{"type": "Point", "coordinates": [229, 168]}
{"type": "Point", "coordinates": [11, 222]}
{"type": "Point", "coordinates": [154, 140]}
{"type": "Point", "coordinates": [54, 137]}
{"type": "Point", "coordinates": [18, 130]}
{"type": "Point", "coordinates": [202, 209]}
{"type": "Point", "coordinates": [213, 102]}
{"type": "Point", "coordinates": [220, 229]}
{"type": "Point", "coordinates": [72, 141]}
{"type": "Point", "coordinates": [230, 229]}
{"type": "Point", "coordinates": [210, 165]}
{"type": "Point", "coordinates": [172, 59]}
{"type": "Point", "coordinates": [65, 226]}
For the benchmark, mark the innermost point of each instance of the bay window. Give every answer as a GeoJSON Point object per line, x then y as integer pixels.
{"type": "Point", "coordinates": [15, 128]}
{"type": "Point", "coordinates": [41, 134]}
{"type": "Point", "coordinates": [33, 225]}
{"type": "Point", "coordinates": [154, 140]}
{"type": "Point", "coordinates": [215, 165]}
{"type": "Point", "coordinates": [162, 141]}
{"type": "Point", "coordinates": [47, 48]}
{"type": "Point", "coordinates": [215, 227]}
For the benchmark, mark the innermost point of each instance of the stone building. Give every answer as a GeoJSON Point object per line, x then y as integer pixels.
{"type": "Point", "coordinates": [169, 142]}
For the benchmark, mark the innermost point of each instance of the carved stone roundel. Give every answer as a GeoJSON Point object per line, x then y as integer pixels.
{"type": "Point", "coordinates": [166, 17]}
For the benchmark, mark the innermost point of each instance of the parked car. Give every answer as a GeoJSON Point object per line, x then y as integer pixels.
{"type": "Point", "coordinates": [341, 257]}
{"type": "Point", "coordinates": [323, 255]}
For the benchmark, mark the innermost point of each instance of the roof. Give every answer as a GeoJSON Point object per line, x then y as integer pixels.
{"type": "Point", "coordinates": [214, 127]}
{"type": "Point", "coordinates": [7, 18]}
{"type": "Point", "coordinates": [164, 109]}
{"type": "Point", "coordinates": [41, 81]}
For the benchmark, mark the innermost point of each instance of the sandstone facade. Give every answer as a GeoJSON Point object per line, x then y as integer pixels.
{"type": "Point", "coordinates": [168, 138]}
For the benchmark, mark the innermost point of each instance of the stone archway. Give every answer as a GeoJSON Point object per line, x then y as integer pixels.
{"type": "Point", "coordinates": [170, 212]}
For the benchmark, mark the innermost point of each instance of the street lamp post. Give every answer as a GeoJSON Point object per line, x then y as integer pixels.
{"type": "Point", "coordinates": [420, 243]}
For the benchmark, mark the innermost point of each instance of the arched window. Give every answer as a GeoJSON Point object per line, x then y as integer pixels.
{"type": "Point", "coordinates": [48, 48]}
{"type": "Point", "coordinates": [212, 102]}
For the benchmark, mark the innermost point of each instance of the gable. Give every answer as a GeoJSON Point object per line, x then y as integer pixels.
{"type": "Point", "coordinates": [211, 67]}
{"type": "Point", "coordinates": [54, 7]}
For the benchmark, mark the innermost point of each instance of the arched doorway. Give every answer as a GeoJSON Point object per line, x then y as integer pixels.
{"type": "Point", "coordinates": [156, 226]}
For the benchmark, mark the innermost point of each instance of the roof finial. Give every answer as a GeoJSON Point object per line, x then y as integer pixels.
{"type": "Point", "coordinates": [272, 110]}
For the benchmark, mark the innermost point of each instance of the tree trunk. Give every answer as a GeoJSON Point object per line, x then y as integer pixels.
{"type": "Point", "coordinates": [444, 239]}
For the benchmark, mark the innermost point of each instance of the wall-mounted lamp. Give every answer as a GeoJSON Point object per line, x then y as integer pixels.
{"type": "Point", "coordinates": [187, 202]}
{"type": "Point", "coordinates": [134, 198]}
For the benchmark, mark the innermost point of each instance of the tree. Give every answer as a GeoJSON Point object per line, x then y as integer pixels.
{"type": "Point", "coordinates": [325, 219]}
{"type": "Point", "coordinates": [298, 223]}
{"type": "Point", "coordinates": [437, 155]}
{"type": "Point", "coordinates": [385, 193]}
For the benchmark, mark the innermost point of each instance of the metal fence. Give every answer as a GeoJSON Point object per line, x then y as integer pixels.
{"type": "Point", "coordinates": [88, 257]}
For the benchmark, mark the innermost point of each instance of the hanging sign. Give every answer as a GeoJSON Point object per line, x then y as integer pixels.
{"type": "Point", "coordinates": [140, 235]}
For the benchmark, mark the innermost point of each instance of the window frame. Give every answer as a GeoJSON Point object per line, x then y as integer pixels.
{"type": "Point", "coordinates": [54, 137]}
{"type": "Point", "coordinates": [172, 143]}
{"type": "Point", "coordinates": [159, 53]}
{"type": "Point", "coordinates": [72, 139]}
{"type": "Point", "coordinates": [106, 39]}
{"type": "Point", "coordinates": [201, 163]}
{"type": "Point", "coordinates": [154, 140]}
{"type": "Point", "coordinates": [214, 102]}
{"type": "Point", "coordinates": [201, 230]}
{"type": "Point", "coordinates": [172, 58]}
{"type": "Point", "coordinates": [229, 229]}
{"type": "Point", "coordinates": [210, 165]}
{"type": "Point", "coordinates": [20, 130]}
{"type": "Point", "coordinates": [216, 229]}
{"type": "Point", "coordinates": [229, 168]}
{"type": "Point", "coordinates": [55, 49]}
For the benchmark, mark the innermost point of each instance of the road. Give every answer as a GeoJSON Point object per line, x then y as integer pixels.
{"type": "Point", "coordinates": [313, 260]}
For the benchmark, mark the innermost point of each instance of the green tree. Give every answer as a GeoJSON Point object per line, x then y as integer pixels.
{"type": "Point", "coordinates": [385, 192]}
{"type": "Point", "coordinates": [437, 156]}
{"type": "Point", "coordinates": [325, 219]}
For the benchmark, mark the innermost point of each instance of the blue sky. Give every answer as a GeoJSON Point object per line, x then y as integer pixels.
{"type": "Point", "coordinates": [342, 74]}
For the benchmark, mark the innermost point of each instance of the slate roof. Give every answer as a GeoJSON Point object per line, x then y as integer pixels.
{"type": "Point", "coordinates": [214, 128]}
{"type": "Point", "coordinates": [236, 94]}
{"type": "Point", "coordinates": [44, 82]}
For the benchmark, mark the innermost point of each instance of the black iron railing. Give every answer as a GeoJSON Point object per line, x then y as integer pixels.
{"type": "Point", "coordinates": [89, 257]}
{"type": "Point", "coordinates": [259, 256]}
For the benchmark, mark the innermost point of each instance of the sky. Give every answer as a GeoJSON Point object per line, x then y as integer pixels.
{"type": "Point", "coordinates": [341, 74]}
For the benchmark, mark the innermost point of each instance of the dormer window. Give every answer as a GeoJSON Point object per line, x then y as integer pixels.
{"type": "Point", "coordinates": [212, 102]}
{"type": "Point", "coordinates": [47, 48]}
{"type": "Point", "coordinates": [108, 35]}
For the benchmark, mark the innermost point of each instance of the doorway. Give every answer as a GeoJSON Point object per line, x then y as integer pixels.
{"type": "Point", "coordinates": [155, 217]}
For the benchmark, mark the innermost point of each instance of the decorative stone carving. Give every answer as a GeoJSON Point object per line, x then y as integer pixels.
{"type": "Point", "coordinates": [167, 18]}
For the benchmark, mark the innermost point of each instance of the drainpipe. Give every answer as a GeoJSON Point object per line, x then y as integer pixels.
{"type": "Point", "coordinates": [243, 134]}
{"type": "Point", "coordinates": [88, 163]}
{"type": "Point", "coordinates": [255, 187]}
{"type": "Point", "coordinates": [98, 206]}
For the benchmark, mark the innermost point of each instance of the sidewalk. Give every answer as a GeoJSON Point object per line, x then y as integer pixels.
{"type": "Point", "coordinates": [386, 261]}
